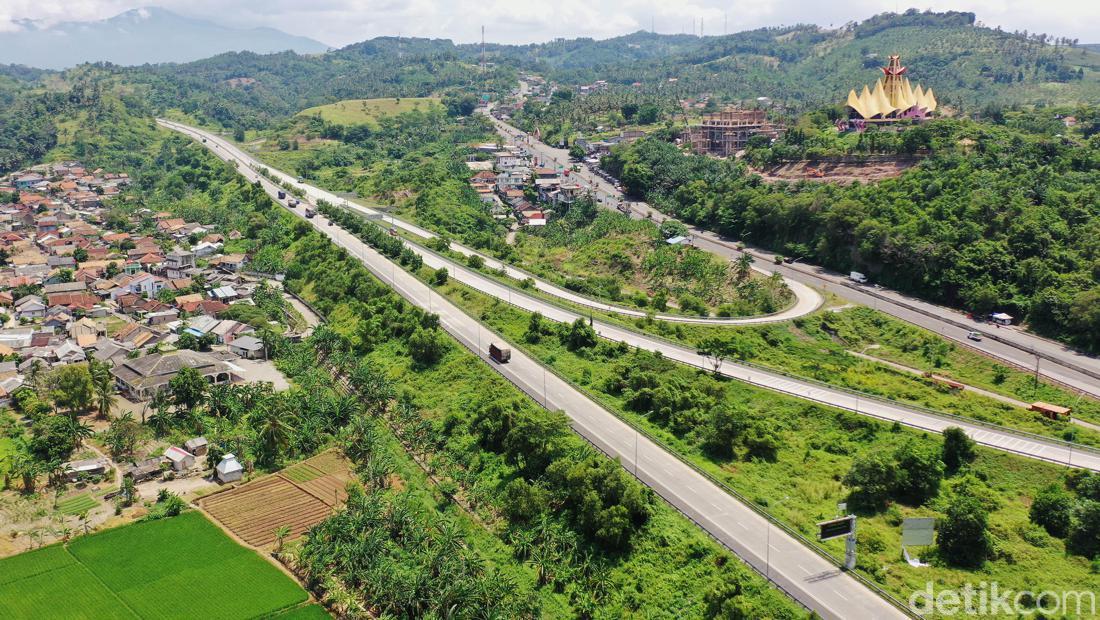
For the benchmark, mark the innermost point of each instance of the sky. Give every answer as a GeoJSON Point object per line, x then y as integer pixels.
{"type": "Point", "coordinates": [340, 22]}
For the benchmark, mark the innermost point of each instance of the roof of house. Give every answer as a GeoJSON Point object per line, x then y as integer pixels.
{"type": "Point", "coordinates": [229, 464]}
{"type": "Point", "coordinates": [176, 454]}
{"type": "Point", "coordinates": [248, 343]}
{"type": "Point", "coordinates": [159, 368]}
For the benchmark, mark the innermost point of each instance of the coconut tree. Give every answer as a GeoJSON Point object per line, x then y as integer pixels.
{"type": "Point", "coordinates": [273, 432]}
{"type": "Point", "coordinates": [744, 266]}
{"type": "Point", "coordinates": [103, 388]}
{"type": "Point", "coordinates": [79, 430]}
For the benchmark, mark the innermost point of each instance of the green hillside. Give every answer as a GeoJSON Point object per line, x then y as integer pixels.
{"type": "Point", "coordinates": [808, 66]}
{"type": "Point", "coordinates": [369, 111]}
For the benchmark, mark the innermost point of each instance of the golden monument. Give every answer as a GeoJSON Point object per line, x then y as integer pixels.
{"type": "Point", "coordinates": [892, 98]}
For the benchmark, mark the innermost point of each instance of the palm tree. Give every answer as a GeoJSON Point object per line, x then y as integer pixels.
{"type": "Point", "coordinates": [34, 375]}
{"type": "Point", "coordinates": [78, 430]}
{"type": "Point", "coordinates": [103, 386]}
{"type": "Point", "coordinates": [744, 266]}
{"type": "Point", "coordinates": [273, 432]}
{"type": "Point", "coordinates": [160, 403]}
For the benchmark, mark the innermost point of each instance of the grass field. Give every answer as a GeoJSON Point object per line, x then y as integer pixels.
{"type": "Point", "coordinates": [182, 567]}
{"type": "Point", "coordinates": [368, 111]}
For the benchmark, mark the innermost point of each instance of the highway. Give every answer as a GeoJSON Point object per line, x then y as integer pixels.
{"type": "Point", "coordinates": [1001, 438]}
{"type": "Point", "coordinates": [1012, 345]}
{"type": "Point", "coordinates": [805, 575]}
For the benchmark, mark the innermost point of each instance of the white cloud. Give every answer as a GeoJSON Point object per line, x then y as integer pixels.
{"type": "Point", "coordinates": [339, 22]}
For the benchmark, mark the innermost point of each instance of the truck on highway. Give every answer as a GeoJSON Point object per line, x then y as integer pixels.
{"type": "Point", "coordinates": [857, 277]}
{"type": "Point", "coordinates": [310, 212]}
{"type": "Point", "coordinates": [500, 355]}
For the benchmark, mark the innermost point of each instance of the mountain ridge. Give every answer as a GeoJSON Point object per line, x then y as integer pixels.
{"type": "Point", "coordinates": [147, 35]}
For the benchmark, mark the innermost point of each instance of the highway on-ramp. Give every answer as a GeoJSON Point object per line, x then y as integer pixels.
{"type": "Point", "coordinates": [1012, 345]}
{"type": "Point", "coordinates": [803, 573]}
{"type": "Point", "coordinates": [806, 298]}
{"type": "Point", "coordinates": [1019, 442]}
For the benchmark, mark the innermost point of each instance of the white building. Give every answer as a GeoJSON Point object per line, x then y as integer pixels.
{"type": "Point", "coordinates": [229, 469]}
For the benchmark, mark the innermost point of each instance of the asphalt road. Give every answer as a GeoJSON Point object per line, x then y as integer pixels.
{"type": "Point", "coordinates": [801, 572]}
{"type": "Point", "coordinates": [1013, 345]}
{"type": "Point", "coordinates": [1009, 440]}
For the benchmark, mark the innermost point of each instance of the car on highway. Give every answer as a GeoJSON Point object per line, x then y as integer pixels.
{"type": "Point", "coordinates": [976, 336]}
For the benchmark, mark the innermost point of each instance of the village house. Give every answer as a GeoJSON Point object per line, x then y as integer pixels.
{"type": "Point", "coordinates": [140, 378]}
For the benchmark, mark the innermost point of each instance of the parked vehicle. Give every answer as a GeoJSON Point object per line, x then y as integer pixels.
{"type": "Point", "coordinates": [977, 336]}
{"type": "Point", "coordinates": [857, 277]}
{"type": "Point", "coordinates": [500, 355]}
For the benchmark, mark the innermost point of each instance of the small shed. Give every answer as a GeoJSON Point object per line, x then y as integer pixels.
{"type": "Point", "coordinates": [229, 469]}
{"type": "Point", "coordinates": [1051, 411]}
{"type": "Point", "coordinates": [145, 470]}
{"type": "Point", "coordinates": [181, 459]}
{"type": "Point", "coordinates": [196, 446]}
{"type": "Point", "coordinates": [678, 240]}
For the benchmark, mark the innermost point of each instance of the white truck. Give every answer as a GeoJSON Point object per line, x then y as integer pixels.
{"type": "Point", "coordinates": [857, 277]}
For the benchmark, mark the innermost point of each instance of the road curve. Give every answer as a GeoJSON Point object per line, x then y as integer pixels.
{"type": "Point", "coordinates": [807, 299]}
{"type": "Point", "coordinates": [798, 570]}
{"type": "Point", "coordinates": [1009, 440]}
{"type": "Point", "coordinates": [1060, 363]}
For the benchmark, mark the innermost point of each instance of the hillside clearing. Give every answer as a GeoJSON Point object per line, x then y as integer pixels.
{"type": "Point", "coordinates": [369, 111]}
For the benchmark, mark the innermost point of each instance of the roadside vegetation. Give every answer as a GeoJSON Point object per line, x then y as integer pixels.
{"type": "Point", "coordinates": [799, 460]}
{"type": "Point", "coordinates": [610, 256]}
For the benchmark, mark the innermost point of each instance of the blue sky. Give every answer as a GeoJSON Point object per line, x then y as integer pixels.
{"type": "Point", "coordinates": [339, 22]}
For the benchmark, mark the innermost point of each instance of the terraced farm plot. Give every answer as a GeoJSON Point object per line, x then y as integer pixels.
{"type": "Point", "coordinates": [255, 510]}
{"type": "Point", "coordinates": [182, 567]}
{"type": "Point", "coordinates": [299, 497]}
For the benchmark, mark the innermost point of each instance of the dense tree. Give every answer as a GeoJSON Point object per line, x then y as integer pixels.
{"type": "Point", "coordinates": [958, 448]}
{"type": "Point", "coordinates": [187, 389]}
{"type": "Point", "coordinates": [919, 472]}
{"type": "Point", "coordinates": [426, 346]}
{"type": "Point", "coordinates": [72, 388]}
{"type": "Point", "coordinates": [963, 537]}
{"type": "Point", "coordinates": [1052, 509]}
{"type": "Point", "coordinates": [872, 479]}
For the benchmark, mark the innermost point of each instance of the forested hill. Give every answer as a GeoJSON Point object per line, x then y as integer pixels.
{"type": "Point", "coordinates": [804, 66]}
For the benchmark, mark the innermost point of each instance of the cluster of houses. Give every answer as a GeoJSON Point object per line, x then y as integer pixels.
{"type": "Point", "coordinates": [181, 460]}
{"type": "Point", "coordinates": [71, 289]}
{"type": "Point", "coordinates": [518, 186]}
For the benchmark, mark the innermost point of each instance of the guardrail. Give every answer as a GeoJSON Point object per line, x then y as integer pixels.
{"type": "Point", "coordinates": [1023, 434]}
{"type": "Point", "coordinates": [970, 326]}
{"type": "Point", "coordinates": [821, 551]}
{"type": "Point", "coordinates": [814, 382]}
{"type": "Point", "coordinates": [597, 304]}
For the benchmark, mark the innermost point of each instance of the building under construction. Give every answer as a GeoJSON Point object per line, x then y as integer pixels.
{"type": "Point", "coordinates": [728, 131]}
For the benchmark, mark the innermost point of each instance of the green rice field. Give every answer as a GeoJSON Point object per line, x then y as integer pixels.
{"type": "Point", "coordinates": [182, 567]}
